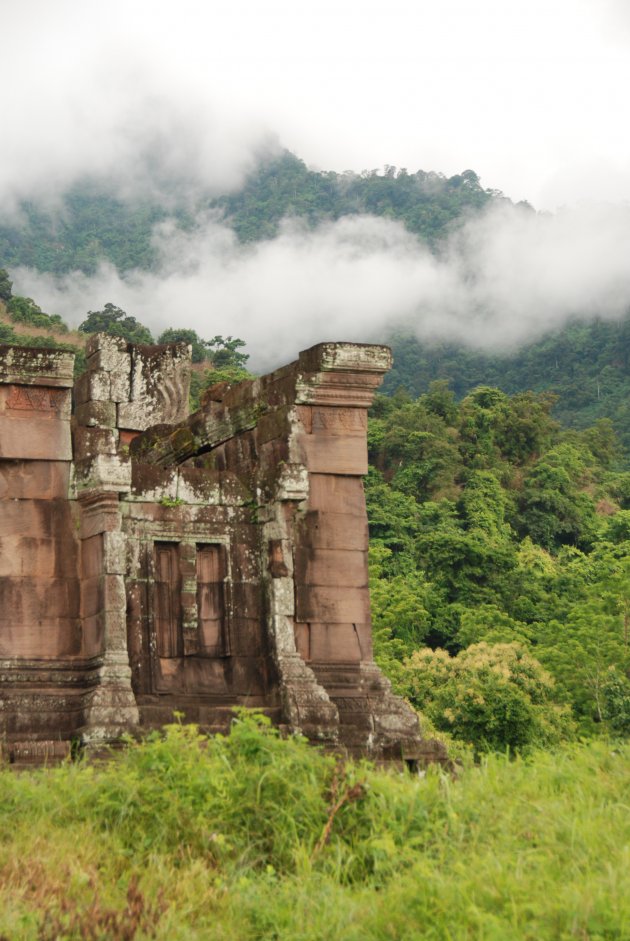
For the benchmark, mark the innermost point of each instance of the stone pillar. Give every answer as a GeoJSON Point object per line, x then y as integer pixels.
{"type": "Point", "coordinates": [102, 474]}
{"type": "Point", "coordinates": [125, 390]}
{"type": "Point", "coordinates": [112, 708]}
{"type": "Point", "coordinates": [334, 389]}
{"type": "Point", "coordinates": [306, 706]}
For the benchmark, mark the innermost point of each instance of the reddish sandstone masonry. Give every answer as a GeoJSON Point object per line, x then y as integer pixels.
{"type": "Point", "coordinates": [154, 561]}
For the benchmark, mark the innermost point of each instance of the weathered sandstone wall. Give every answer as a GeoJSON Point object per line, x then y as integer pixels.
{"type": "Point", "coordinates": [153, 561]}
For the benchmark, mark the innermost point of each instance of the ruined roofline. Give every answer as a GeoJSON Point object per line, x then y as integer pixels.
{"type": "Point", "coordinates": [240, 406]}
{"type": "Point", "coordinates": [339, 356]}
{"type": "Point", "coordinates": [148, 349]}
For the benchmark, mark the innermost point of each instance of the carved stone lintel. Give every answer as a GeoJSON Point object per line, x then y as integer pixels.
{"type": "Point", "coordinates": [36, 399]}
{"type": "Point", "coordinates": [165, 445]}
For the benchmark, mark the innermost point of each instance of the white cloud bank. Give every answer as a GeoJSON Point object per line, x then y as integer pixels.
{"type": "Point", "coordinates": [531, 94]}
{"type": "Point", "coordinates": [504, 278]}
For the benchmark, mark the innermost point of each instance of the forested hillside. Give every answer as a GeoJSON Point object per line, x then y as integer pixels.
{"type": "Point", "coordinates": [500, 567]}
{"type": "Point", "coordinates": [586, 366]}
{"type": "Point", "coordinates": [91, 223]}
{"type": "Point", "coordinates": [23, 322]}
{"type": "Point", "coordinates": [427, 203]}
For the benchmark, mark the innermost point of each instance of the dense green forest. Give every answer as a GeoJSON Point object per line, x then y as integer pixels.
{"type": "Point", "coordinates": [585, 365]}
{"type": "Point", "coordinates": [500, 566]}
{"type": "Point", "coordinates": [91, 223]}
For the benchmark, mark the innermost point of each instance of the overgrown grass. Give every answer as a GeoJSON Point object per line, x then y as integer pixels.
{"type": "Point", "coordinates": [254, 837]}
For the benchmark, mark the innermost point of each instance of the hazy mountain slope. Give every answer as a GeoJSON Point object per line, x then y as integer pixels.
{"type": "Point", "coordinates": [427, 203]}
{"type": "Point", "coordinates": [91, 223]}
{"type": "Point", "coordinates": [586, 365]}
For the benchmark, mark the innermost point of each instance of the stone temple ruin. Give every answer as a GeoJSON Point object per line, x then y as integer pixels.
{"type": "Point", "coordinates": [153, 561]}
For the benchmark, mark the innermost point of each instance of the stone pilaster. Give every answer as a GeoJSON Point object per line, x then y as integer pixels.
{"type": "Point", "coordinates": [306, 706]}
{"type": "Point", "coordinates": [112, 707]}
{"type": "Point", "coordinates": [102, 474]}
{"type": "Point", "coordinates": [335, 386]}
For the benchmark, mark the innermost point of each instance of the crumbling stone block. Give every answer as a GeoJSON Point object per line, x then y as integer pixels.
{"type": "Point", "coordinates": [96, 414]}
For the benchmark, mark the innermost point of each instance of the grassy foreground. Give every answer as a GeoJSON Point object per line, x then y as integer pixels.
{"type": "Point", "coordinates": [252, 837]}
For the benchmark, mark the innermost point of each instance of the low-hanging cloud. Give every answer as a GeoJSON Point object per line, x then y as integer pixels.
{"type": "Point", "coordinates": [530, 94]}
{"type": "Point", "coordinates": [503, 278]}
{"type": "Point", "coordinates": [130, 107]}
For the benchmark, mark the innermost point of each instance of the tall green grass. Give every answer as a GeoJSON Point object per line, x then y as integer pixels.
{"type": "Point", "coordinates": [255, 837]}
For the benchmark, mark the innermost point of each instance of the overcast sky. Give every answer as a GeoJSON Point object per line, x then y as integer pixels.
{"type": "Point", "coordinates": [532, 94]}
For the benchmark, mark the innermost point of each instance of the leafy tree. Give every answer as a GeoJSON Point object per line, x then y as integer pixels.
{"type": "Point", "coordinates": [440, 399]}
{"type": "Point", "coordinates": [115, 321]}
{"type": "Point", "coordinates": [602, 442]}
{"type": "Point", "coordinates": [554, 509]}
{"type": "Point", "coordinates": [524, 427]}
{"type": "Point", "coordinates": [5, 285]}
{"type": "Point", "coordinates": [593, 637]}
{"type": "Point", "coordinates": [225, 352]}
{"type": "Point", "coordinates": [618, 527]}
{"type": "Point", "coordinates": [467, 547]}
{"type": "Point", "coordinates": [394, 522]}
{"type": "Point", "coordinates": [493, 696]}
{"type": "Point", "coordinates": [173, 335]}
{"type": "Point", "coordinates": [477, 420]}
{"type": "Point", "coordinates": [482, 504]}
{"type": "Point", "coordinates": [7, 334]}
{"type": "Point", "coordinates": [615, 693]}
{"type": "Point", "coordinates": [401, 603]}
{"type": "Point", "coordinates": [488, 623]}
{"type": "Point", "coordinates": [579, 654]}
{"type": "Point", "coordinates": [212, 377]}
{"type": "Point", "coordinates": [413, 450]}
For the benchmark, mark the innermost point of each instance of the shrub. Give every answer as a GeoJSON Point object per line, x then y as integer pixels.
{"type": "Point", "coordinates": [495, 696]}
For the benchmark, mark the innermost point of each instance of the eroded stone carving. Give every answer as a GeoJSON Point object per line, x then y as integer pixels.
{"type": "Point", "coordinates": [168, 561]}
